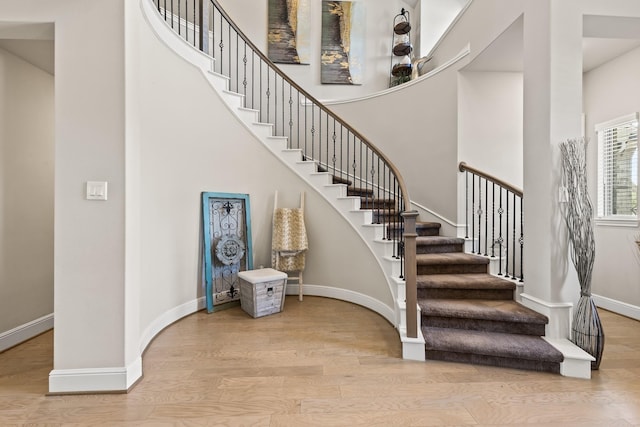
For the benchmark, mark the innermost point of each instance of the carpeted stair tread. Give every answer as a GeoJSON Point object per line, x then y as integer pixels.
{"type": "Point", "coordinates": [425, 228]}
{"type": "Point", "coordinates": [492, 344]}
{"type": "Point", "coordinates": [438, 240]}
{"type": "Point", "coordinates": [438, 244]}
{"type": "Point", "coordinates": [494, 310]}
{"type": "Point", "coordinates": [450, 258]}
{"type": "Point", "coordinates": [464, 281]}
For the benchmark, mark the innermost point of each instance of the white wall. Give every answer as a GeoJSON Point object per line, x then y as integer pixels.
{"type": "Point", "coordinates": [610, 91]}
{"type": "Point", "coordinates": [190, 142]}
{"type": "Point", "coordinates": [26, 192]}
{"type": "Point", "coordinates": [490, 123]}
{"type": "Point", "coordinates": [416, 127]}
{"type": "Point", "coordinates": [121, 264]}
{"type": "Point", "coordinates": [378, 33]}
{"type": "Point", "coordinates": [435, 18]}
{"type": "Point", "coordinates": [89, 145]}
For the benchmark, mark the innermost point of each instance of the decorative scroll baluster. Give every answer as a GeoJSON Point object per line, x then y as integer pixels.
{"type": "Point", "coordinates": [521, 241]}
{"type": "Point", "coordinates": [503, 230]}
{"type": "Point", "coordinates": [493, 220]}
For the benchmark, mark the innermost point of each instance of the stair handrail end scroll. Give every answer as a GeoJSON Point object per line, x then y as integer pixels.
{"type": "Point", "coordinates": [392, 181]}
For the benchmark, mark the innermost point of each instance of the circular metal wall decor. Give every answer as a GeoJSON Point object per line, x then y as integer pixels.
{"type": "Point", "coordinates": [230, 250]}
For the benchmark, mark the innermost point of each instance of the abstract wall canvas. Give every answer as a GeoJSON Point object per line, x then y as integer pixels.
{"type": "Point", "coordinates": [289, 31]}
{"type": "Point", "coordinates": [342, 42]}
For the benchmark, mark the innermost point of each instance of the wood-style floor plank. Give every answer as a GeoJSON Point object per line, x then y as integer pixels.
{"type": "Point", "coordinates": [321, 362]}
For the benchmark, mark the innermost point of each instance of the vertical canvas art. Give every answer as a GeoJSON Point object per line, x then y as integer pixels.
{"type": "Point", "coordinates": [342, 42]}
{"type": "Point", "coordinates": [289, 32]}
{"type": "Point", "coordinates": [227, 245]}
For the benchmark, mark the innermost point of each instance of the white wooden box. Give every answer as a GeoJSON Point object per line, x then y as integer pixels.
{"type": "Point", "coordinates": [262, 291]}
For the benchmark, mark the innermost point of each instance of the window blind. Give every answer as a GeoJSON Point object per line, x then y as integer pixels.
{"type": "Point", "coordinates": [618, 167]}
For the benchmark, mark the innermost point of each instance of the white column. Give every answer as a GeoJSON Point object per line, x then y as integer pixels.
{"type": "Point", "coordinates": [552, 113]}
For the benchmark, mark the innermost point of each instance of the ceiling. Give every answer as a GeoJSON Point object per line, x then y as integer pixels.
{"type": "Point", "coordinates": [32, 42]}
{"type": "Point", "coordinates": [505, 53]}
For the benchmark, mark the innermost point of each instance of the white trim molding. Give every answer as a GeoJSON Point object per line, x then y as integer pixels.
{"type": "Point", "coordinates": [577, 362]}
{"type": "Point", "coordinates": [412, 348]}
{"type": "Point", "coordinates": [559, 314]}
{"type": "Point", "coordinates": [619, 307]}
{"type": "Point", "coordinates": [464, 52]}
{"type": "Point", "coordinates": [167, 318]}
{"type": "Point", "coordinates": [98, 380]}
{"type": "Point", "coordinates": [25, 332]}
{"type": "Point", "coordinates": [345, 295]}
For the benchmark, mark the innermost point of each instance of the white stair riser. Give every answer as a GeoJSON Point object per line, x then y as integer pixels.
{"type": "Point", "coordinates": [278, 143]}
{"type": "Point", "coordinates": [234, 100]}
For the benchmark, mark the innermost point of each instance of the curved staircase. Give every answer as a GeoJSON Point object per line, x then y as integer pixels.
{"type": "Point", "coordinates": [466, 314]}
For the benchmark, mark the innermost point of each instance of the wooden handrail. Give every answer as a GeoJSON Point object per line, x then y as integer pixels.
{"type": "Point", "coordinates": [463, 167]}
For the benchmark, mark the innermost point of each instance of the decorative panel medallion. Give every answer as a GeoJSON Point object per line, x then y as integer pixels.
{"type": "Point", "coordinates": [227, 245]}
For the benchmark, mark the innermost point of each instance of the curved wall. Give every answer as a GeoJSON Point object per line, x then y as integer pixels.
{"type": "Point", "coordinates": [186, 140]}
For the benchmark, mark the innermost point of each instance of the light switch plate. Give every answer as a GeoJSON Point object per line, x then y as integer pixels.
{"type": "Point", "coordinates": [96, 190]}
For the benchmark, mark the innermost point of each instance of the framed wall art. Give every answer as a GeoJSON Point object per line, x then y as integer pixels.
{"type": "Point", "coordinates": [289, 31]}
{"type": "Point", "coordinates": [342, 42]}
{"type": "Point", "coordinates": [227, 246]}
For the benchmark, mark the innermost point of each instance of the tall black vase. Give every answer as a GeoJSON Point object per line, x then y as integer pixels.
{"type": "Point", "coordinates": [587, 329]}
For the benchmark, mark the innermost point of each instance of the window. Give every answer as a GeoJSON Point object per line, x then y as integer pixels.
{"type": "Point", "coordinates": [618, 171]}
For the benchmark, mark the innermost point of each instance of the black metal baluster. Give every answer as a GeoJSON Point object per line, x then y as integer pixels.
{"type": "Point", "coordinates": [506, 233]}
{"type": "Point", "coordinates": [377, 190]}
{"type": "Point", "coordinates": [513, 254]}
{"type": "Point", "coordinates": [268, 93]}
{"type": "Point", "coordinates": [275, 103]}
{"type": "Point", "coordinates": [486, 216]}
{"type": "Point", "coordinates": [333, 157]}
{"type": "Point", "coordinates": [500, 240]}
{"type": "Point", "coordinates": [493, 220]}
{"type": "Point", "coordinates": [479, 213]}
{"type": "Point", "coordinates": [172, 15]}
{"type": "Point", "coordinates": [473, 210]}
{"type": "Point", "coordinates": [195, 37]}
{"type": "Point", "coordinates": [521, 241]}
{"type": "Point", "coordinates": [290, 115]}
{"type": "Point", "coordinates": [260, 92]}
{"type": "Point", "coordinates": [313, 130]}
{"type": "Point", "coordinates": [466, 204]}
{"type": "Point", "coordinates": [244, 75]}
{"type": "Point", "coordinates": [320, 136]}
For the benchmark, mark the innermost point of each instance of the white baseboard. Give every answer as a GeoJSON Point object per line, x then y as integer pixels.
{"type": "Point", "coordinates": [167, 318]}
{"type": "Point", "coordinates": [619, 307]}
{"type": "Point", "coordinates": [98, 380]}
{"type": "Point", "coordinates": [25, 332]}
{"type": "Point", "coordinates": [576, 363]}
{"type": "Point", "coordinates": [118, 379]}
{"type": "Point", "coordinates": [559, 314]}
{"type": "Point", "coordinates": [345, 295]}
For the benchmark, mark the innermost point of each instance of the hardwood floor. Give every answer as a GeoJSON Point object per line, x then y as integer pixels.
{"type": "Point", "coordinates": [321, 362]}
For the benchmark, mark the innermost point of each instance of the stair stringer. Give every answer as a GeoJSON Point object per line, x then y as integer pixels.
{"type": "Point", "coordinates": [335, 194]}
